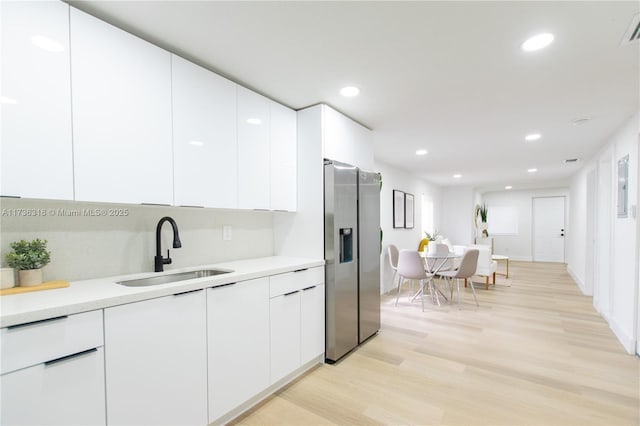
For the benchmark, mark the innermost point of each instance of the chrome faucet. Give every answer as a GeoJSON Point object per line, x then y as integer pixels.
{"type": "Point", "coordinates": [159, 260]}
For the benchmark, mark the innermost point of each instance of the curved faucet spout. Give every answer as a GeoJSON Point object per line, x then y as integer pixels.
{"type": "Point", "coordinates": [159, 260]}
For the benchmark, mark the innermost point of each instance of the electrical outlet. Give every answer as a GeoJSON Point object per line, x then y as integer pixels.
{"type": "Point", "coordinates": [226, 232]}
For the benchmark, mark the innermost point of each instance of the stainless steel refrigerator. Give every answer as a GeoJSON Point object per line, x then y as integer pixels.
{"type": "Point", "coordinates": [352, 256]}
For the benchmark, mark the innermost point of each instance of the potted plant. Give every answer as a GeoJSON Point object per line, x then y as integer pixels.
{"type": "Point", "coordinates": [29, 258]}
{"type": "Point", "coordinates": [482, 211]}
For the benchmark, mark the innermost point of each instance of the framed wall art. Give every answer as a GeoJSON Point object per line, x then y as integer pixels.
{"type": "Point", "coordinates": [408, 211]}
{"type": "Point", "coordinates": [398, 209]}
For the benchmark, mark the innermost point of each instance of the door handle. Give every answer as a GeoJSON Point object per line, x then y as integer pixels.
{"type": "Point", "coordinates": [68, 357]}
{"type": "Point", "coordinates": [28, 324]}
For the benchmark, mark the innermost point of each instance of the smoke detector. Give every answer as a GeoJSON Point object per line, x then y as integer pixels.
{"type": "Point", "coordinates": [633, 32]}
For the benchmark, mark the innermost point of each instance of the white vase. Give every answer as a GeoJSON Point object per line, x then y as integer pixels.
{"type": "Point", "coordinates": [30, 277]}
{"type": "Point", "coordinates": [432, 248]}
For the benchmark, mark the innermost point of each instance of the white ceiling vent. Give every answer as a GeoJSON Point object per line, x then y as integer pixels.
{"type": "Point", "coordinates": [633, 32]}
{"type": "Point", "coordinates": [570, 160]}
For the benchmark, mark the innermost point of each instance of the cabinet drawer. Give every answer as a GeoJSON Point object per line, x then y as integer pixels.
{"type": "Point", "coordinates": [33, 343]}
{"type": "Point", "coordinates": [293, 281]}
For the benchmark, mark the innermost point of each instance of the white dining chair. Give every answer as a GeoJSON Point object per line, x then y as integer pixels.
{"type": "Point", "coordinates": [392, 251]}
{"type": "Point", "coordinates": [411, 267]}
{"type": "Point", "coordinates": [467, 269]}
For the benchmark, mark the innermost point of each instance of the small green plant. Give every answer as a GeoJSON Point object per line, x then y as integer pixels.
{"type": "Point", "coordinates": [28, 255]}
{"type": "Point", "coordinates": [431, 236]}
{"type": "Point", "coordinates": [482, 210]}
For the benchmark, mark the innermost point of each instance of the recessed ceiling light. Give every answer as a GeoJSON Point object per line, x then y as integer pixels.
{"type": "Point", "coordinates": [457, 176]}
{"type": "Point", "coordinates": [47, 44]}
{"type": "Point", "coordinates": [533, 170]}
{"type": "Point", "coordinates": [349, 91]}
{"type": "Point", "coordinates": [533, 137]}
{"type": "Point", "coordinates": [254, 121]}
{"type": "Point", "coordinates": [508, 187]}
{"type": "Point", "coordinates": [196, 143]}
{"type": "Point", "coordinates": [537, 42]}
{"type": "Point", "coordinates": [7, 100]}
{"type": "Point", "coordinates": [422, 152]}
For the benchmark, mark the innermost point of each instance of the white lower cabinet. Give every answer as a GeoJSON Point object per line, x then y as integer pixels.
{"type": "Point", "coordinates": [64, 392]}
{"type": "Point", "coordinates": [312, 323]}
{"type": "Point", "coordinates": [285, 334]}
{"type": "Point", "coordinates": [238, 339]}
{"type": "Point", "coordinates": [191, 358]}
{"type": "Point", "coordinates": [156, 359]}
{"type": "Point", "coordinates": [297, 320]}
{"type": "Point", "coordinates": [53, 372]}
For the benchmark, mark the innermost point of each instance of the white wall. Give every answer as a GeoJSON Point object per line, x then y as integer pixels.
{"type": "Point", "coordinates": [393, 178]}
{"type": "Point", "coordinates": [519, 247]}
{"type": "Point", "coordinates": [578, 238]}
{"type": "Point", "coordinates": [456, 215]}
{"type": "Point", "coordinates": [84, 247]}
{"type": "Point", "coordinates": [624, 289]}
{"type": "Point", "coordinates": [622, 284]}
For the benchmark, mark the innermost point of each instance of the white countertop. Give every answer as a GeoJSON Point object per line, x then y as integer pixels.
{"type": "Point", "coordinates": [100, 293]}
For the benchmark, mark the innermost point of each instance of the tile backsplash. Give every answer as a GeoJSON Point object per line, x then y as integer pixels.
{"type": "Point", "coordinates": [92, 240]}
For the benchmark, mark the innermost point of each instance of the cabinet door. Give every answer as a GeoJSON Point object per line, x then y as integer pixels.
{"type": "Point", "coordinates": [156, 358]}
{"type": "Point", "coordinates": [283, 157]}
{"type": "Point", "coordinates": [238, 331]}
{"type": "Point", "coordinates": [204, 137]}
{"type": "Point", "coordinates": [312, 323]}
{"type": "Point", "coordinates": [121, 115]}
{"type": "Point", "coordinates": [285, 334]}
{"type": "Point", "coordinates": [67, 391]}
{"type": "Point", "coordinates": [37, 156]}
{"type": "Point", "coordinates": [253, 150]}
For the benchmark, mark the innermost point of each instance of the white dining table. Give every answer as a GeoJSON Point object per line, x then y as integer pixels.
{"type": "Point", "coordinates": [439, 260]}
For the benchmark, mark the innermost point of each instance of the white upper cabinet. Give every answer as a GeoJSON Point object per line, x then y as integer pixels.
{"type": "Point", "coordinates": [253, 151]}
{"type": "Point", "coordinates": [121, 92]}
{"type": "Point", "coordinates": [345, 140]}
{"type": "Point", "coordinates": [204, 137]}
{"type": "Point", "coordinates": [283, 157]}
{"type": "Point", "coordinates": [36, 157]}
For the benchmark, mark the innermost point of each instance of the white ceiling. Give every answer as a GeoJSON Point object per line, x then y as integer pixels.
{"type": "Point", "coordinates": [449, 77]}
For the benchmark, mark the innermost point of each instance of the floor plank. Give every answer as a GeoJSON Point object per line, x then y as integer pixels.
{"type": "Point", "coordinates": [534, 353]}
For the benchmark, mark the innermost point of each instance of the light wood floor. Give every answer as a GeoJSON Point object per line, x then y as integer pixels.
{"type": "Point", "coordinates": [534, 353]}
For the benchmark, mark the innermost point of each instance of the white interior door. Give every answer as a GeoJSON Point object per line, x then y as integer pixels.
{"type": "Point", "coordinates": [548, 229]}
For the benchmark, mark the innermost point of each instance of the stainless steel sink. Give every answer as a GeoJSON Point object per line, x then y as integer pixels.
{"type": "Point", "coordinates": [171, 278]}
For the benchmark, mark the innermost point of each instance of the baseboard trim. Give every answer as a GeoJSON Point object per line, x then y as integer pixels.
{"type": "Point", "coordinates": [577, 280]}
{"type": "Point", "coordinates": [242, 408]}
{"type": "Point", "coordinates": [520, 258]}
{"type": "Point", "coordinates": [627, 341]}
